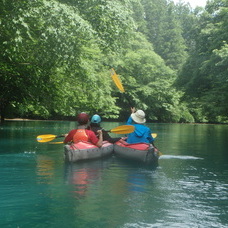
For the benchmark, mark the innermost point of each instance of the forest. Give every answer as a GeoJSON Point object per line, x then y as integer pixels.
{"type": "Point", "coordinates": [56, 59]}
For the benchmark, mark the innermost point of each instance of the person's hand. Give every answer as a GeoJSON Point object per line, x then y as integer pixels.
{"type": "Point", "coordinates": [99, 132]}
{"type": "Point", "coordinates": [123, 142]}
{"type": "Point", "coordinates": [133, 109]}
{"type": "Point", "coordinates": [156, 149]}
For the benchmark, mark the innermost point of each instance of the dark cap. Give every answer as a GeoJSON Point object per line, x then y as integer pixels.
{"type": "Point", "coordinates": [83, 118]}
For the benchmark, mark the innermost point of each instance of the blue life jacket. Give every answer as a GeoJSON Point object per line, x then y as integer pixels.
{"type": "Point", "coordinates": [142, 133]}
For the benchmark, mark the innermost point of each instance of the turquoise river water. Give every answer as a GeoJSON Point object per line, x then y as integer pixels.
{"type": "Point", "coordinates": [188, 189]}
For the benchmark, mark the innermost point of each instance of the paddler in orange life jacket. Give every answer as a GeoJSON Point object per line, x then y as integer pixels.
{"type": "Point", "coordinates": [82, 134]}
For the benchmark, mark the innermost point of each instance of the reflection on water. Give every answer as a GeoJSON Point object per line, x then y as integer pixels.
{"type": "Point", "coordinates": [136, 182]}
{"type": "Point", "coordinates": [81, 178]}
{"type": "Point", "coordinates": [45, 169]}
{"type": "Point", "coordinates": [82, 175]}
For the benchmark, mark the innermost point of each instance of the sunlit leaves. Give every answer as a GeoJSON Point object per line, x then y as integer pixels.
{"type": "Point", "coordinates": [40, 38]}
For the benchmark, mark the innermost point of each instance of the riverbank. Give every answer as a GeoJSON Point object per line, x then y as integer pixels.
{"type": "Point", "coordinates": [22, 119]}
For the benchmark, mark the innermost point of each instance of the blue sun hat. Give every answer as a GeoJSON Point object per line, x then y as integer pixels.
{"type": "Point", "coordinates": [95, 119]}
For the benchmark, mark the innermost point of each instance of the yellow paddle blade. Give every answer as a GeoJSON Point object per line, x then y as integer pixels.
{"type": "Point", "coordinates": [117, 81]}
{"type": "Point", "coordinates": [45, 138]}
{"type": "Point", "coordinates": [154, 135]}
{"type": "Point", "coordinates": [123, 129]}
{"type": "Point", "coordinates": [56, 143]}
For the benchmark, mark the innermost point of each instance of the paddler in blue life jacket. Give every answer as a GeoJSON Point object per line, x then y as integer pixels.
{"type": "Point", "coordinates": [142, 133]}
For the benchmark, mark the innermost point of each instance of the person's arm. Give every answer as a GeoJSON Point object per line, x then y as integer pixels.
{"type": "Point", "coordinates": [114, 140]}
{"type": "Point", "coordinates": [107, 137]}
{"type": "Point", "coordinates": [130, 120]}
{"type": "Point", "coordinates": [133, 109]}
{"type": "Point", "coordinates": [100, 137]}
{"type": "Point", "coordinates": [149, 136]}
{"type": "Point", "coordinates": [69, 137]}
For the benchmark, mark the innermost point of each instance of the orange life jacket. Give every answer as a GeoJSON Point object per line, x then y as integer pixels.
{"type": "Point", "coordinates": [80, 136]}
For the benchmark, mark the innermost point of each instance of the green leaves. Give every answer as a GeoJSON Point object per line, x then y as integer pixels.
{"type": "Point", "coordinates": [164, 32]}
{"type": "Point", "coordinates": [56, 56]}
{"type": "Point", "coordinates": [53, 53]}
{"type": "Point", "coordinates": [208, 81]}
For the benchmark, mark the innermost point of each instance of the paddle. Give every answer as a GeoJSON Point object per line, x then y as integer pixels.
{"type": "Point", "coordinates": [47, 138]}
{"type": "Point", "coordinates": [117, 81]}
{"type": "Point", "coordinates": [118, 84]}
{"type": "Point", "coordinates": [123, 129]}
{"type": "Point", "coordinates": [56, 142]}
{"type": "Point", "coordinates": [154, 135]}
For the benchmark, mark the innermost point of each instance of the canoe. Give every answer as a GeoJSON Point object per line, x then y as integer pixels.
{"type": "Point", "coordinates": [141, 152]}
{"type": "Point", "coordinates": [85, 151]}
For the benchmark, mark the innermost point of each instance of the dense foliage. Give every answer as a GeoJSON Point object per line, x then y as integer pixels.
{"type": "Point", "coordinates": [204, 76]}
{"type": "Point", "coordinates": [56, 57]}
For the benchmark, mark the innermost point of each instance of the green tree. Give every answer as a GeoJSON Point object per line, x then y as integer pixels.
{"type": "Point", "coordinates": [53, 58]}
{"type": "Point", "coordinates": [164, 32]}
{"type": "Point", "coordinates": [110, 19]}
{"type": "Point", "coordinates": [149, 84]}
{"type": "Point", "coordinates": [204, 75]}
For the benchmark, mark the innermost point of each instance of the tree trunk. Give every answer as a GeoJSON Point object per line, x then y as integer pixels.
{"type": "Point", "coordinates": [2, 111]}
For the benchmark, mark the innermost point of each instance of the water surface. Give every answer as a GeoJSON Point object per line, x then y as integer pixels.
{"type": "Point", "coordinates": [188, 189]}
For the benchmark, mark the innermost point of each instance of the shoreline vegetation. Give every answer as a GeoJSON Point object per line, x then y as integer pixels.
{"type": "Point", "coordinates": [25, 119]}
{"type": "Point", "coordinates": [166, 58]}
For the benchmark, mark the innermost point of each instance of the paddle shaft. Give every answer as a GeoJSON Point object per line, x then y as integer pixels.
{"type": "Point", "coordinates": [124, 129]}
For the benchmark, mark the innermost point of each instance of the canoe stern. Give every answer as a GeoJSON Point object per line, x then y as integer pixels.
{"type": "Point", "coordinates": [141, 152]}
{"type": "Point", "coordinates": [86, 151]}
